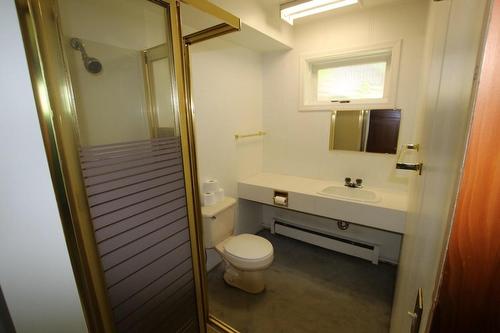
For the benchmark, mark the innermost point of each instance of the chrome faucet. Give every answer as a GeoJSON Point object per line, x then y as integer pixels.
{"type": "Point", "coordinates": [357, 184]}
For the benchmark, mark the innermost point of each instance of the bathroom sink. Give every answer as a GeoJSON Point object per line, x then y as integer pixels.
{"type": "Point", "coordinates": [354, 194]}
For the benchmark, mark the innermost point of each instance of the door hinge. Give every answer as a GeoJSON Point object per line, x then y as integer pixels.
{"type": "Point", "coordinates": [416, 315]}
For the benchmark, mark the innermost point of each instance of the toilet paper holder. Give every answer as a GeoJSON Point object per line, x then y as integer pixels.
{"type": "Point", "coordinates": [280, 198]}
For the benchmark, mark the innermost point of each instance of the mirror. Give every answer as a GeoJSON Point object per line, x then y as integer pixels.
{"type": "Point", "coordinates": [372, 131]}
{"type": "Point", "coordinates": [160, 91]}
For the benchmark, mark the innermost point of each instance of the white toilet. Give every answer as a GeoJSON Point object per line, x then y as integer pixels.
{"type": "Point", "coordinates": [246, 256]}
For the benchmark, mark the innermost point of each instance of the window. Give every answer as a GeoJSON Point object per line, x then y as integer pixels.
{"type": "Point", "coordinates": [364, 78]}
{"type": "Point", "coordinates": [347, 82]}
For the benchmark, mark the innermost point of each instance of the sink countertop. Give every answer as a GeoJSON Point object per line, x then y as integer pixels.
{"type": "Point", "coordinates": [396, 200]}
{"type": "Point", "coordinates": [389, 213]}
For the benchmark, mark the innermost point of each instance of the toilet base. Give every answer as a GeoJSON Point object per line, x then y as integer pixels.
{"type": "Point", "coordinates": [250, 281]}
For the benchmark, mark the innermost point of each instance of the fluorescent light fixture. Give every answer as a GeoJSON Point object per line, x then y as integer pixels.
{"type": "Point", "coordinates": [296, 9]}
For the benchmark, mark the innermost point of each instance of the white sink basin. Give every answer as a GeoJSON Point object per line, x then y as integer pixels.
{"type": "Point", "coordinates": [349, 193]}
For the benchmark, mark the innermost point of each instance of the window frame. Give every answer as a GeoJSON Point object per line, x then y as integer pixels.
{"type": "Point", "coordinates": [310, 63]}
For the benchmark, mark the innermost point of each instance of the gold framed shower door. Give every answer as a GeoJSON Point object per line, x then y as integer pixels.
{"type": "Point", "coordinates": [54, 97]}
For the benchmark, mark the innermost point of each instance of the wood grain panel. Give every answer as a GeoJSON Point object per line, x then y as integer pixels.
{"type": "Point", "coordinates": [469, 296]}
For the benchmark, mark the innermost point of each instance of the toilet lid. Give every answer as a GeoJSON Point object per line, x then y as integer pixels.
{"type": "Point", "coordinates": [247, 246]}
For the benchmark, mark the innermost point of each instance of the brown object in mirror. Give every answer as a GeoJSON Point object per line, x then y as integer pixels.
{"type": "Point", "coordinates": [383, 131]}
{"type": "Point", "coordinates": [373, 131]}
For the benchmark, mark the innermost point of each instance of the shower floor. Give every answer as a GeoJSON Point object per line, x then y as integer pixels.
{"type": "Point", "coordinates": [308, 289]}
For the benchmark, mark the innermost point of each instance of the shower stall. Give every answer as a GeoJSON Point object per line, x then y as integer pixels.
{"type": "Point", "coordinates": [111, 82]}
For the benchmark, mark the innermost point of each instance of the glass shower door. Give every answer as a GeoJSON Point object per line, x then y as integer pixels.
{"type": "Point", "coordinates": [131, 159]}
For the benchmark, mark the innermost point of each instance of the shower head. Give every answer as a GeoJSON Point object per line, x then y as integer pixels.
{"type": "Point", "coordinates": [92, 65]}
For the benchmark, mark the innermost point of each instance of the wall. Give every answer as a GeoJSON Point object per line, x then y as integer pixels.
{"type": "Point", "coordinates": [118, 92]}
{"type": "Point", "coordinates": [297, 142]}
{"type": "Point", "coordinates": [451, 54]}
{"type": "Point", "coordinates": [36, 275]}
{"type": "Point", "coordinates": [227, 95]}
{"type": "Point", "coordinates": [144, 26]}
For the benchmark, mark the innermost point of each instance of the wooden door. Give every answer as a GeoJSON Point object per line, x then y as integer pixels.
{"type": "Point", "coordinates": [469, 295]}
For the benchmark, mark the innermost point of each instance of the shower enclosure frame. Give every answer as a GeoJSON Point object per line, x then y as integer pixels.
{"type": "Point", "coordinates": [54, 98]}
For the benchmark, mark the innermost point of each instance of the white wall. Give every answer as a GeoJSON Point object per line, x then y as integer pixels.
{"type": "Point", "coordinates": [111, 105]}
{"type": "Point", "coordinates": [297, 142]}
{"type": "Point", "coordinates": [35, 271]}
{"type": "Point", "coordinates": [135, 25]}
{"type": "Point", "coordinates": [227, 95]}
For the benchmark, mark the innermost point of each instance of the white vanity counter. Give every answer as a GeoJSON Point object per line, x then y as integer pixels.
{"type": "Point", "coordinates": [389, 213]}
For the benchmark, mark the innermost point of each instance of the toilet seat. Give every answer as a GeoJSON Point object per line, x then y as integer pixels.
{"type": "Point", "coordinates": [247, 252]}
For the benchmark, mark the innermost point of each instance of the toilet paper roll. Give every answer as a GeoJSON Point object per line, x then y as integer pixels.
{"type": "Point", "coordinates": [209, 199]}
{"type": "Point", "coordinates": [210, 185]}
{"type": "Point", "coordinates": [219, 195]}
{"type": "Point", "coordinates": [279, 200]}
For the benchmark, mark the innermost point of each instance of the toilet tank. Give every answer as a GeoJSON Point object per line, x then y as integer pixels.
{"type": "Point", "coordinates": [218, 221]}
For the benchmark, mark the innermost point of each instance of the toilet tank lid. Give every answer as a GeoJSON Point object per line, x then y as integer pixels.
{"type": "Point", "coordinates": [212, 211]}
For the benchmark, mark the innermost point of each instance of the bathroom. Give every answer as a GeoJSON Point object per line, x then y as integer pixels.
{"type": "Point", "coordinates": [263, 94]}
{"type": "Point", "coordinates": [231, 166]}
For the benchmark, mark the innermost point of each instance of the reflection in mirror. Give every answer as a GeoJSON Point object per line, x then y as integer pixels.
{"type": "Point", "coordinates": [372, 131]}
{"type": "Point", "coordinates": [159, 92]}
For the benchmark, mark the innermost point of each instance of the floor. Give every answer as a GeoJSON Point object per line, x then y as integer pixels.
{"type": "Point", "coordinates": [308, 289]}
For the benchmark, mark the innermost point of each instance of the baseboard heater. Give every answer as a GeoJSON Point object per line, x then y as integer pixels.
{"type": "Point", "coordinates": [351, 247]}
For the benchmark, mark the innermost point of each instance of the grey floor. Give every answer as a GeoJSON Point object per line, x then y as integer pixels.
{"type": "Point", "coordinates": [308, 289]}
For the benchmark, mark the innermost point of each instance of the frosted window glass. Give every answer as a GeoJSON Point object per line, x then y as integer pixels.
{"type": "Point", "coordinates": [360, 81]}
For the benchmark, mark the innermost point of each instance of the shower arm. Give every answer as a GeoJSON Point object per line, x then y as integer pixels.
{"type": "Point", "coordinates": [78, 45]}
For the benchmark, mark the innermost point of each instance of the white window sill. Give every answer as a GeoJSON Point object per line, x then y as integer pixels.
{"type": "Point", "coordinates": [346, 106]}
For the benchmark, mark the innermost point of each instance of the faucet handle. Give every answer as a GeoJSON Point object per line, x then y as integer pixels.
{"type": "Point", "coordinates": [359, 181]}
{"type": "Point", "coordinates": [347, 180]}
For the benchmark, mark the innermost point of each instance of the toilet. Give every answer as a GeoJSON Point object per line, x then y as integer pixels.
{"type": "Point", "coordinates": [246, 256]}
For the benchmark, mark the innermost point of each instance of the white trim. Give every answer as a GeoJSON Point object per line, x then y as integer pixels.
{"type": "Point", "coordinates": [390, 92]}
